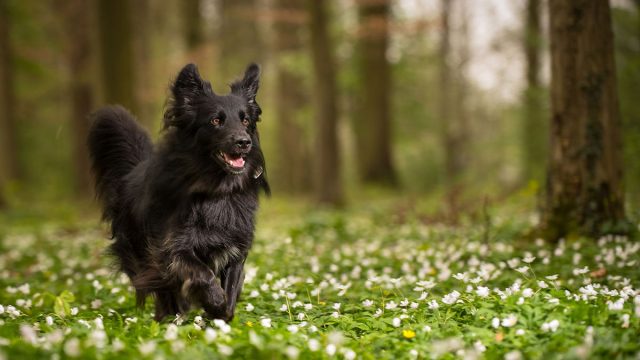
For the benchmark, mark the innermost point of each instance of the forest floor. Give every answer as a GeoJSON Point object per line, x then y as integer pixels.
{"type": "Point", "coordinates": [370, 284]}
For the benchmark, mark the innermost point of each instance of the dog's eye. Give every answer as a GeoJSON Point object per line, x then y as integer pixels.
{"type": "Point", "coordinates": [215, 122]}
{"type": "Point", "coordinates": [245, 122]}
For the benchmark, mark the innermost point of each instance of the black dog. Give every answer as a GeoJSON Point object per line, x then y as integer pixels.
{"type": "Point", "coordinates": [182, 214]}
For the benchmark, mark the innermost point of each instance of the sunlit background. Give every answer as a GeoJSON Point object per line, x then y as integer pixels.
{"type": "Point", "coordinates": [60, 58]}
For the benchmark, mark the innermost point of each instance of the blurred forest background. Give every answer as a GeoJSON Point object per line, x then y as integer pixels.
{"type": "Point", "coordinates": [446, 101]}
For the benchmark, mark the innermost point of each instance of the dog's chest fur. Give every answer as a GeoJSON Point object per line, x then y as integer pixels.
{"type": "Point", "coordinates": [220, 228]}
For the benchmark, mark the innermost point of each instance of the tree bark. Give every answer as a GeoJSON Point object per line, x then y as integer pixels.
{"type": "Point", "coordinates": [327, 173]}
{"type": "Point", "coordinates": [117, 57]}
{"type": "Point", "coordinates": [77, 15]}
{"type": "Point", "coordinates": [192, 22]}
{"type": "Point", "coordinates": [9, 165]}
{"type": "Point", "coordinates": [534, 142]}
{"type": "Point", "coordinates": [239, 36]}
{"type": "Point", "coordinates": [373, 128]}
{"type": "Point", "coordinates": [294, 167]}
{"type": "Point", "coordinates": [584, 182]}
{"type": "Point", "coordinates": [453, 107]}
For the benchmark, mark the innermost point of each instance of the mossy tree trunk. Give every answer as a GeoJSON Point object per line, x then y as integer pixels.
{"type": "Point", "coordinates": [192, 24]}
{"type": "Point", "coordinates": [294, 166]}
{"type": "Point", "coordinates": [534, 126]}
{"type": "Point", "coordinates": [584, 180]}
{"type": "Point", "coordinates": [117, 52]}
{"type": "Point", "coordinates": [77, 15]}
{"type": "Point", "coordinates": [453, 111]}
{"type": "Point", "coordinates": [373, 128]}
{"type": "Point", "coordinates": [9, 165]}
{"type": "Point", "coordinates": [327, 174]}
{"type": "Point", "coordinates": [239, 36]}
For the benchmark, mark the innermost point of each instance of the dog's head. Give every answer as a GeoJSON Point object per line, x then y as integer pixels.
{"type": "Point", "coordinates": [219, 130]}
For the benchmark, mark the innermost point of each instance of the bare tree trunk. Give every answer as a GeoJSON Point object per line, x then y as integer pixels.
{"type": "Point", "coordinates": [327, 173]}
{"type": "Point", "coordinates": [143, 63]}
{"type": "Point", "coordinates": [584, 183]}
{"type": "Point", "coordinates": [294, 168]}
{"type": "Point", "coordinates": [9, 165]}
{"type": "Point", "coordinates": [118, 67]}
{"type": "Point", "coordinates": [241, 42]}
{"type": "Point", "coordinates": [192, 21]}
{"type": "Point", "coordinates": [534, 142]}
{"type": "Point", "coordinates": [374, 130]}
{"type": "Point", "coordinates": [77, 15]}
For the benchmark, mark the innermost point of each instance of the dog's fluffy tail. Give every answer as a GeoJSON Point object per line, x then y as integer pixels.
{"type": "Point", "coordinates": [116, 145]}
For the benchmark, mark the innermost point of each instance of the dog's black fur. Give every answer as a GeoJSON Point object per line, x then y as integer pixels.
{"type": "Point", "coordinates": [182, 214]}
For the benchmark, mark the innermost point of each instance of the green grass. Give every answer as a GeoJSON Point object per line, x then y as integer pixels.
{"type": "Point", "coordinates": [360, 284]}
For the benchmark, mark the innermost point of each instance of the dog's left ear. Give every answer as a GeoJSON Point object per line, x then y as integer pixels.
{"type": "Point", "coordinates": [248, 86]}
{"type": "Point", "coordinates": [187, 89]}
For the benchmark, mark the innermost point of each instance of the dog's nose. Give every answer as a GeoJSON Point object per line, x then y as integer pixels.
{"type": "Point", "coordinates": [243, 143]}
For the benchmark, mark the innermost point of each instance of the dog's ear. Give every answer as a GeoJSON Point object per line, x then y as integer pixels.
{"type": "Point", "coordinates": [186, 90]}
{"type": "Point", "coordinates": [248, 86]}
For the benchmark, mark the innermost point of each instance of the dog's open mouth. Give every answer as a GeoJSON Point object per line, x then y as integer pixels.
{"type": "Point", "coordinates": [233, 162]}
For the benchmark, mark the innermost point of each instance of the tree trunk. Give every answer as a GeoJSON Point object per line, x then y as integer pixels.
{"type": "Point", "coordinates": [373, 129]}
{"type": "Point", "coordinates": [534, 142]}
{"type": "Point", "coordinates": [9, 166]}
{"type": "Point", "coordinates": [327, 167]}
{"type": "Point", "coordinates": [294, 168]}
{"type": "Point", "coordinates": [584, 182]}
{"type": "Point", "coordinates": [118, 74]}
{"type": "Point", "coordinates": [143, 64]}
{"type": "Point", "coordinates": [192, 22]}
{"type": "Point", "coordinates": [241, 42]}
{"type": "Point", "coordinates": [76, 16]}
{"type": "Point", "coordinates": [453, 111]}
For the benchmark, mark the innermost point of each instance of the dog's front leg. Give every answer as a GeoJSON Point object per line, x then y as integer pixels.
{"type": "Point", "coordinates": [199, 283]}
{"type": "Point", "coordinates": [232, 283]}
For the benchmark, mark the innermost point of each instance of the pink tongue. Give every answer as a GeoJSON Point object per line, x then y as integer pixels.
{"type": "Point", "coordinates": [239, 162]}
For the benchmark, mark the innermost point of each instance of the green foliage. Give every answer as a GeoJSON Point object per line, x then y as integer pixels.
{"type": "Point", "coordinates": [338, 284]}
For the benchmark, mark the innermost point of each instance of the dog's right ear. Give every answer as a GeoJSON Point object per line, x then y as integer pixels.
{"type": "Point", "coordinates": [186, 90]}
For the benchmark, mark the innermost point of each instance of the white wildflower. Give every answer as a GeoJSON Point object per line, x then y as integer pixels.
{"type": "Point", "coordinates": [390, 305]}
{"type": "Point", "coordinates": [225, 350]}
{"type": "Point", "coordinates": [95, 304]}
{"type": "Point", "coordinates": [396, 322]}
{"type": "Point", "coordinates": [617, 305]}
{"type": "Point", "coordinates": [146, 348]}
{"type": "Point", "coordinates": [451, 297]}
{"type": "Point", "coordinates": [509, 321]}
{"type": "Point", "coordinates": [625, 320]}
{"type": "Point", "coordinates": [210, 335]}
{"type": "Point", "coordinates": [293, 328]}
{"type": "Point", "coordinates": [330, 349]}
{"type": "Point", "coordinates": [249, 307]}
{"type": "Point", "coordinates": [72, 347]}
{"type": "Point", "coordinates": [28, 334]}
{"type": "Point", "coordinates": [551, 326]}
{"type": "Point", "coordinates": [266, 322]}
{"type": "Point", "coordinates": [495, 322]}
{"type": "Point", "coordinates": [349, 354]}
{"type": "Point", "coordinates": [313, 344]}
{"type": "Point", "coordinates": [367, 303]}
{"type": "Point", "coordinates": [479, 346]}
{"type": "Point", "coordinates": [171, 333]}
{"type": "Point", "coordinates": [482, 291]}
{"type": "Point", "coordinates": [292, 352]}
